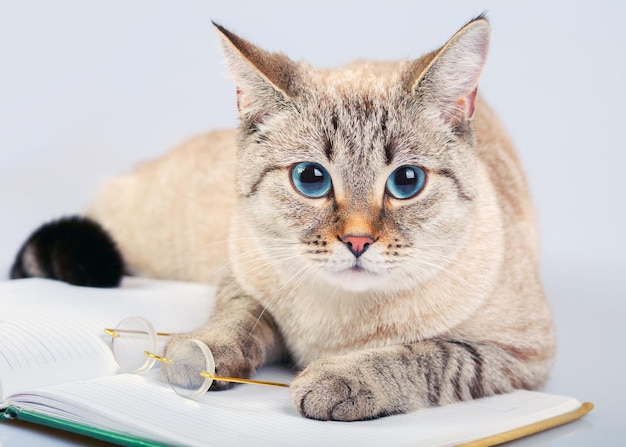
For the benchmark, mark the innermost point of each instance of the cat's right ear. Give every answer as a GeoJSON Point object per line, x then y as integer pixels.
{"type": "Point", "coordinates": [265, 81]}
{"type": "Point", "coordinates": [450, 79]}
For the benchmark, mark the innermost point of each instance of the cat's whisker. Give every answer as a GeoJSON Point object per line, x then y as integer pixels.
{"type": "Point", "coordinates": [251, 256]}
{"type": "Point", "coordinates": [261, 251]}
{"type": "Point", "coordinates": [262, 265]}
{"type": "Point", "coordinates": [301, 274]}
{"type": "Point", "coordinates": [243, 239]}
{"type": "Point", "coordinates": [430, 256]}
{"type": "Point", "coordinates": [418, 262]}
{"type": "Point", "coordinates": [291, 241]}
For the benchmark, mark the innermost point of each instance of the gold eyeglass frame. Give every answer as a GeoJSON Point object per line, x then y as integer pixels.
{"type": "Point", "coordinates": [208, 376]}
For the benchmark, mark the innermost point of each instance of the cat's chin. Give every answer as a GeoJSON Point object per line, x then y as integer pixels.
{"type": "Point", "coordinates": [356, 279]}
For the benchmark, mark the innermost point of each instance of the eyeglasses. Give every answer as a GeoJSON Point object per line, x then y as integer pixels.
{"type": "Point", "coordinates": [190, 369]}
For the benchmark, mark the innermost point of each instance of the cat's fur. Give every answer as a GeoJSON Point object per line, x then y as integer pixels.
{"type": "Point", "coordinates": [444, 305]}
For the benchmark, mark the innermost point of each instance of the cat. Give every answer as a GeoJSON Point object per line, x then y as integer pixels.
{"type": "Point", "coordinates": [370, 224]}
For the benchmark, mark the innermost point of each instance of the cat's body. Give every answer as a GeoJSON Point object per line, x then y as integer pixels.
{"type": "Point", "coordinates": [371, 224]}
{"type": "Point", "coordinates": [194, 248]}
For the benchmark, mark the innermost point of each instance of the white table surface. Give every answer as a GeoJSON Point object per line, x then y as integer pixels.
{"type": "Point", "coordinates": [88, 89]}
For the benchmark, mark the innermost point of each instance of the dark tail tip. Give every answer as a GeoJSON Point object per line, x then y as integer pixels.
{"type": "Point", "coordinates": [76, 250]}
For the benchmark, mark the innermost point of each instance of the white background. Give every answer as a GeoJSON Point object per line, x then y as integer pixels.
{"type": "Point", "coordinates": [89, 89]}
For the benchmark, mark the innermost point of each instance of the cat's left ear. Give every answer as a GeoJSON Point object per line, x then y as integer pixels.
{"type": "Point", "coordinates": [265, 81]}
{"type": "Point", "coordinates": [450, 80]}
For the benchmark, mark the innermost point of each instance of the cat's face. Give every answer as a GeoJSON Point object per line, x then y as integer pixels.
{"type": "Point", "coordinates": [357, 177]}
{"type": "Point", "coordinates": [358, 186]}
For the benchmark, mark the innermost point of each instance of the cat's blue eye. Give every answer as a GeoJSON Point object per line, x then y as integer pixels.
{"type": "Point", "coordinates": [405, 182]}
{"type": "Point", "coordinates": [311, 179]}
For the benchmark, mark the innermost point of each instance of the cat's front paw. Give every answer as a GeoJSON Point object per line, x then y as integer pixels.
{"type": "Point", "coordinates": [337, 389]}
{"type": "Point", "coordinates": [230, 361]}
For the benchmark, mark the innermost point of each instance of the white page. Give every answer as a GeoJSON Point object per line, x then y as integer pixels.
{"type": "Point", "coordinates": [51, 332]}
{"type": "Point", "coordinates": [145, 406]}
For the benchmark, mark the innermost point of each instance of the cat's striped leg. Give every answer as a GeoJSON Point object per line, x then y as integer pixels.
{"type": "Point", "coordinates": [241, 335]}
{"type": "Point", "coordinates": [373, 383]}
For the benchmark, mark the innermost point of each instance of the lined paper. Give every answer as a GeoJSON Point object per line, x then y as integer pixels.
{"type": "Point", "coordinates": [145, 406]}
{"type": "Point", "coordinates": [51, 332]}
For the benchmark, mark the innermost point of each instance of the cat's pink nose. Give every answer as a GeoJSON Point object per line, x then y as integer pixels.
{"type": "Point", "coordinates": [357, 244]}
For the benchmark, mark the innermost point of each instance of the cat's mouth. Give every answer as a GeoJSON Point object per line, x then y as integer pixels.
{"type": "Point", "coordinates": [356, 278]}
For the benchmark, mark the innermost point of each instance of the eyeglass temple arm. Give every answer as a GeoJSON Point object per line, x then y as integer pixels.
{"type": "Point", "coordinates": [248, 381]}
{"type": "Point", "coordinates": [116, 333]}
{"type": "Point", "coordinates": [224, 379]}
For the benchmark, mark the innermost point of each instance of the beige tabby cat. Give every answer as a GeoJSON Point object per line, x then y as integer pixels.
{"type": "Point", "coordinates": [370, 224]}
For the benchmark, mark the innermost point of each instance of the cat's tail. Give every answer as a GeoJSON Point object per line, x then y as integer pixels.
{"type": "Point", "coordinates": [75, 249]}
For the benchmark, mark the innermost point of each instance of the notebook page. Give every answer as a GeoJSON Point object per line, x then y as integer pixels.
{"type": "Point", "coordinates": [144, 406]}
{"type": "Point", "coordinates": [34, 349]}
{"type": "Point", "coordinates": [51, 332]}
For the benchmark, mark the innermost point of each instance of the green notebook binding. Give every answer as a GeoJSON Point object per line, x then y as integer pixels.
{"type": "Point", "coordinates": [11, 413]}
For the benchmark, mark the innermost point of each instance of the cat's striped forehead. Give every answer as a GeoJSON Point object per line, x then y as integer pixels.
{"type": "Point", "coordinates": [356, 127]}
{"type": "Point", "coordinates": [371, 128]}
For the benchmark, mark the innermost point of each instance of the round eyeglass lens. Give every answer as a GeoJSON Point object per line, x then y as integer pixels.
{"type": "Point", "coordinates": [188, 360]}
{"type": "Point", "coordinates": [135, 336]}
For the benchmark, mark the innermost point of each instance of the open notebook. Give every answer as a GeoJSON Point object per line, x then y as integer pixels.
{"type": "Point", "coordinates": [57, 369]}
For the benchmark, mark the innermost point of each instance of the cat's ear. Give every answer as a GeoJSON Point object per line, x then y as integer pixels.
{"type": "Point", "coordinates": [450, 79]}
{"type": "Point", "coordinates": [265, 81]}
